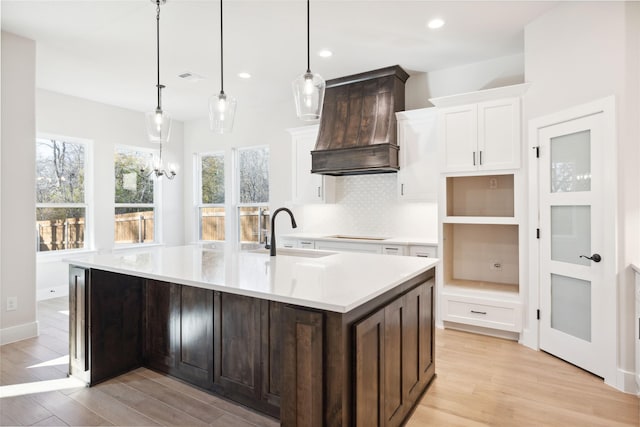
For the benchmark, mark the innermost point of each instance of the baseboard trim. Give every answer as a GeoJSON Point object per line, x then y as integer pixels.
{"type": "Point", "coordinates": [513, 336]}
{"type": "Point", "coordinates": [626, 382]}
{"type": "Point", "coordinates": [18, 333]}
{"type": "Point", "coordinates": [54, 292]}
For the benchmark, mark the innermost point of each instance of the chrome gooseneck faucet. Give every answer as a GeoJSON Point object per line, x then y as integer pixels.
{"type": "Point", "coordinates": [273, 228]}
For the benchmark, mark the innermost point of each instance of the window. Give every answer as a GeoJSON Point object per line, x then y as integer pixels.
{"type": "Point", "coordinates": [135, 210]}
{"type": "Point", "coordinates": [253, 194]}
{"type": "Point", "coordinates": [211, 209]}
{"type": "Point", "coordinates": [61, 208]}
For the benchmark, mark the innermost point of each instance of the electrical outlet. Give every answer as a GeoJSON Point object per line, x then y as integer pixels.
{"type": "Point", "coordinates": [496, 265]}
{"type": "Point", "coordinates": [12, 303]}
{"type": "Point", "coordinates": [493, 183]}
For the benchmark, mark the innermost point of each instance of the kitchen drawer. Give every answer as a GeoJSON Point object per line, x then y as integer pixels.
{"type": "Point", "coordinates": [307, 244]}
{"type": "Point", "coordinates": [492, 314]}
{"type": "Point", "coordinates": [393, 249]}
{"type": "Point", "coordinates": [423, 251]}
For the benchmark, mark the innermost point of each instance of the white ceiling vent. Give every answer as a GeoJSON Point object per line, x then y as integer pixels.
{"type": "Point", "coordinates": [191, 77]}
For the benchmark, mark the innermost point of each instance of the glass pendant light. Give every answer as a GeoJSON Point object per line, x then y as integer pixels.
{"type": "Point", "coordinates": [308, 89]}
{"type": "Point", "coordinates": [158, 121]}
{"type": "Point", "coordinates": [222, 108]}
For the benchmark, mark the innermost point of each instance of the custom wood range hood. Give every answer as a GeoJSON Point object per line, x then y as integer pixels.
{"type": "Point", "coordinates": [358, 124]}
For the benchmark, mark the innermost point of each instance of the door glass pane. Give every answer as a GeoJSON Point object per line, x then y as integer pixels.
{"type": "Point", "coordinates": [571, 306]}
{"type": "Point", "coordinates": [571, 162]}
{"type": "Point", "coordinates": [571, 234]}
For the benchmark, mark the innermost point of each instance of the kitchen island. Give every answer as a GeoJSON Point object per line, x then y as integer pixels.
{"type": "Point", "coordinates": [309, 337]}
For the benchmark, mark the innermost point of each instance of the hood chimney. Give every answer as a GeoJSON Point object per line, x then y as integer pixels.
{"type": "Point", "coordinates": [358, 124]}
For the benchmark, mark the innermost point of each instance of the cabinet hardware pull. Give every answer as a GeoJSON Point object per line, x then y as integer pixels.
{"type": "Point", "coordinates": [318, 191]}
{"type": "Point", "coordinates": [422, 255]}
{"type": "Point", "coordinates": [478, 312]}
{"type": "Point", "coordinates": [474, 158]}
{"type": "Point", "coordinates": [390, 249]}
{"type": "Point", "coordinates": [480, 155]}
{"type": "Point", "coordinates": [402, 189]}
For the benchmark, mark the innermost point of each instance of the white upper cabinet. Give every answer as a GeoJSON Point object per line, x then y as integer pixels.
{"type": "Point", "coordinates": [307, 187]}
{"type": "Point", "coordinates": [417, 138]}
{"type": "Point", "coordinates": [480, 131]}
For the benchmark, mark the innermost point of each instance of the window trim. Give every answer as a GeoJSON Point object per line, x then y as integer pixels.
{"type": "Point", "coordinates": [198, 194]}
{"type": "Point", "coordinates": [157, 196]}
{"type": "Point", "coordinates": [89, 234]}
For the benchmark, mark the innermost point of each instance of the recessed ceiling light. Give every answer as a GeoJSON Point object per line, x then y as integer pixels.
{"type": "Point", "coordinates": [325, 53]}
{"type": "Point", "coordinates": [244, 75]}
{"type": "Point", "coordinates": [435, 23]}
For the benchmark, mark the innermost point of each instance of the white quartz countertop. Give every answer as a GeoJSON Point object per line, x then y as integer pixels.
{"type": "Point", "coordinates": [397, 240]}
{"type": "Point", "coordinates": [337, 282]}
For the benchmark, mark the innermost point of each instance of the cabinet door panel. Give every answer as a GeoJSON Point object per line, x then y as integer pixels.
{"type": "Point", "coordinates": [159, 318]}
{"type": "Point", "coordinates": [457, 128]}
{"type": "Point", "coordinates": [303, 388]}
{"type": "Point", "coordinates": [237, 345]}
{"type": "Point", "coordinates": [370, 371]}
{"type": "Point", "coordinates": [499, 134]}
{"type": "Point", "coordinates": [195, 335]}
{"type": "Point", "coordinates": [426, 330]}
{"type": "Point", "coordinates": [271, 351]}
{"type": "Point", "coordinates": [395, 356]}
{"type": "Point", "coordinates": [419, 165]}
{"type": "Point", "coordinates": [418, 339]}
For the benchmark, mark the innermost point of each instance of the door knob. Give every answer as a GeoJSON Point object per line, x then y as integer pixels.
{"type": "Point", "coordinates": [594, 257]}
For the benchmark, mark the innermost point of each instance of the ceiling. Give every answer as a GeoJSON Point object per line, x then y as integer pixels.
{"type": "Point", "coordinates": [104, 50]}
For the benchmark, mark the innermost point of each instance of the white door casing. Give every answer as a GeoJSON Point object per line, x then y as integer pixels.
{"type": "Point", "coordinates": [575, 210]}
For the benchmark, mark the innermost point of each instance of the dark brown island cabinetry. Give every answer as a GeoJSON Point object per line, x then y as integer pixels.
{"type": "Point", "coordinates": [307, 367]}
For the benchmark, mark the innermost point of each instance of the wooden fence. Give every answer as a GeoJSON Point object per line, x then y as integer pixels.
{"type": "Point", "coordinates": [134, 227]}
{"type": "Point", "coordinates": [60, 234]}
{"type": "Point", "coordinates": [254, 224]}
{"type": "Point", "coordinates": [139, 227]}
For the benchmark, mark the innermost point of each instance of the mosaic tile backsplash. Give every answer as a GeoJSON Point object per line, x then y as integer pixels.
{"type": "Point", "coordinates": [367, 205]}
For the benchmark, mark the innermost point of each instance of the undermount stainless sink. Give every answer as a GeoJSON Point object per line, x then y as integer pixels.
{"type": "Point", "coordinates": [304, 253]}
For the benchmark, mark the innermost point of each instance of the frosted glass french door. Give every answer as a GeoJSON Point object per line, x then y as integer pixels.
{"type": "Point", "coordinates": [572, 239]}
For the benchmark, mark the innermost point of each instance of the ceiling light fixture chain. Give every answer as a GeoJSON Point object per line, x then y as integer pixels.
{"type": "Point", "coordinates": [158, 121]}
{"type": "Point", "coordinates": [222, 108]}
{"type": "Point", "coordinates": [308, 88]}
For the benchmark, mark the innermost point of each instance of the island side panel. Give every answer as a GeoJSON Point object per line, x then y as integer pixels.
{"type": "Point", "coordinates": [115, 324]}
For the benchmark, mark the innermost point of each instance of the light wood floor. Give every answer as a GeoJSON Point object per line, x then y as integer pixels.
{"type": "Point", "coordinates": [481, 381]}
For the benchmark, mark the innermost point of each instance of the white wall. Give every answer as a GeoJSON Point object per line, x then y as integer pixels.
{"type": "Point", "coordinates": [576, 53]}
{"type": "Point", "coordinates": [18, 188]}
{"type": "Point", "coordinates": [106, 126]}
{"type": "Point", "coordinates": [492, 73]}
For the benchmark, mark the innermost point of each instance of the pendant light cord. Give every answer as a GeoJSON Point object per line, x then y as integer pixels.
{"type": "Point", "coordinates": [221, 53]}
{"type": "Point", "coordinates": [158, 50]}
{"type": "Point", "coordinates": [308, 43]}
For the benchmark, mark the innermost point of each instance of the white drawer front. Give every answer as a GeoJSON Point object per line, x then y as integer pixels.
{"type": "Point", "coordinates": [423, 251]}
{"type": "Point", "coordinates": [393, 250]}
{"type": "Point", "coordinates": [506, 317]}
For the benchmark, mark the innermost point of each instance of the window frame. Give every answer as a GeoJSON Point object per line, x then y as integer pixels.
{"type": "Point", "coordinates": [156, 205]}
{"type": "Point", "coordinates": [89, 236]}
{"type": "Point", "coordinates": [199, 204]}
